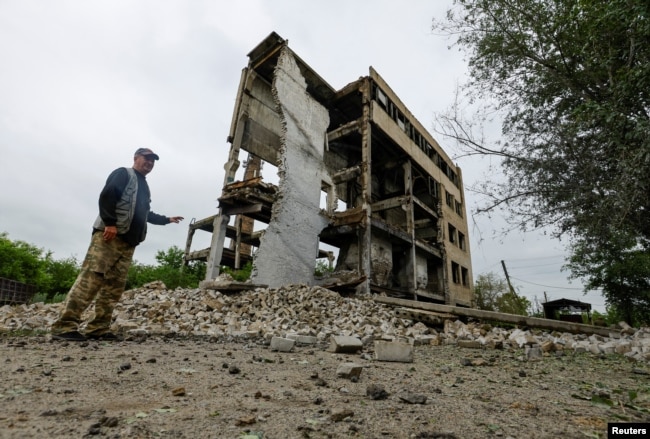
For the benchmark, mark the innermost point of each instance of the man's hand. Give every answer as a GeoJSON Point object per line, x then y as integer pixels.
{"type": "Point", "coordinates": [110, 232]}
{"type": "Point", "coordinates": [176, 219]}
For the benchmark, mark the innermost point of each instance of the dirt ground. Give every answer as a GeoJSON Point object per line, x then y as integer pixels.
{"type": "Point", "coordinates": [171, 387]}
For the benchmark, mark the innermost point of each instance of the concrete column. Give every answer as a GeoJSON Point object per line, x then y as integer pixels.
{"type": "Point", "coordinates": [411, 266]}
{"type": "Point", "coordinates": [216, 246]}
{"type": "Point", "coordinates": [365, 233]}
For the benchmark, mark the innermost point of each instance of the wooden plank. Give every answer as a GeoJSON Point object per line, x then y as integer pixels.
{"type": "Point", "coordinates": [536, 322]}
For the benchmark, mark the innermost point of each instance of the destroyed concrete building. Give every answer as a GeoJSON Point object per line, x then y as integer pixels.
{"type": "Point", "coordinates": [358, 177]}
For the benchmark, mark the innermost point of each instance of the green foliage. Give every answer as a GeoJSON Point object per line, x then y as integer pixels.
{"type": "Point", "coordinates": [493, 294]}
{"type": "Point", "coordinates": [26, 263]}
{"type": "Point", "coordinates": [322, 268]}
{"type": "Point", "coordinates": [60, 275]}
{"type": "Point", "coordinates": [21, 261]}
{"type": "Point", "coordinates": [170, 270]}
{"type": "Point", "coordinates": [571, 81]}
{"type": "Point", "coordinates": [621, 270]}
{"type": "Point", "coordinates": [241, 275]}
{"type": "Point", "coordinates": [487, 289]}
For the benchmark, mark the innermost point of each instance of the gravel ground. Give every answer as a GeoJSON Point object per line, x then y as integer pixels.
{"type": "Point", "coordinates": [180, 387]}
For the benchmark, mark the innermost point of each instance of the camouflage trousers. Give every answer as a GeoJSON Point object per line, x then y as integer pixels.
{"type": "Point", "coordinates": [102, 279]}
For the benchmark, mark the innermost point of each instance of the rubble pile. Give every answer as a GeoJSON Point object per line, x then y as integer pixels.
{"type": "Point", "coordinates": [317, 312]}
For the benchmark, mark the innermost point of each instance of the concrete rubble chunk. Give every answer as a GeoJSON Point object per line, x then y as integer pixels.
{"type": "Point", "coordinates": [469, 344]}
{"type": "Point", "coordinates": [303, 339]}
{"type": "Point", "coordinates": [282, 344]}
{"type": "Point", "coordinates": [349, 370]}
{"type": "Point", "coordinates": [345, 344]}
{"type": "Point", "coordinates": [393, 351]}
{"type": "Point", "coordinates": [412, 398]}
{"type": "Point", "coordinates": [376, 392]}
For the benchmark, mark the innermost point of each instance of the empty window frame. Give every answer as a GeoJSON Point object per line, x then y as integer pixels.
{"type": "Point", "coordinates": [453, 237]}
{"type": "Point", "coordinates": [459, 208]}
{"type": "Point", "coordinates": [449, 199]}
{"type": "Point", "coordinates": [455, 273]}
{"type": "Point", "coordinates": [464, 276]}
{"type": "Point", "coordinates": [462, 244]}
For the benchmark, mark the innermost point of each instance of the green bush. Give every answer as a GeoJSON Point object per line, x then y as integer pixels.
{"type": "Point", "coordinates": [241, 275]}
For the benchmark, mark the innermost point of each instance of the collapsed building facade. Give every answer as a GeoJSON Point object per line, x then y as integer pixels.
{"type": "Point", "coordinates": [359, 177]}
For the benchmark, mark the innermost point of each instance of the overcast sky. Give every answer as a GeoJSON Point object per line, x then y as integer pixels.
{"type": "Point", "coordinates": [84, 83]}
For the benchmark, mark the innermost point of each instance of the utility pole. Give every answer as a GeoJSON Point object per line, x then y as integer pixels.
{"type": "Point", "coordinates": [512, 290]}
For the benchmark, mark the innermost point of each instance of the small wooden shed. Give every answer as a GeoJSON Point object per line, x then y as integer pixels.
{"type": "Point", "coordinates": [566, 310]}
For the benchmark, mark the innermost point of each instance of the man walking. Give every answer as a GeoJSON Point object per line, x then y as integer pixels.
{"type": "Point", "coordinates": [121, 225]}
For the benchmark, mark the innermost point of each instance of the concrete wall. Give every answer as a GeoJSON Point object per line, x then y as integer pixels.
{"type": "Point", "coordinates": [289, 246]}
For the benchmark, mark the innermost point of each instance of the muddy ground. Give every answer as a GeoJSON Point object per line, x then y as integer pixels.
{"type": "Point", "coordinates": [173, 387]}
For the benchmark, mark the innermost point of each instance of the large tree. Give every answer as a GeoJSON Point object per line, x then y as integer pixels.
{"type": "Point", "coordinates": [621, 270]}
{"type": "Point", "coordinates": [571, 81]}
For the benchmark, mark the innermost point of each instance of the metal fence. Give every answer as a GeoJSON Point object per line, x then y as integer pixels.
{"type": "Point", "coordinates": [12, 292]}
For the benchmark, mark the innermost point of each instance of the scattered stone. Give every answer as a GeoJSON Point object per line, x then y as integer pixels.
{"type": "Point", "coordinates": [282, 344]}
{"type": "Point", "coordinates": [469, 344]}
{"type": "Point", "coordinates": [345, 344]}
{"type": "Point", "coordinates": [95, 429]}
{"type": "Point", "coordinates": [124, 366]}
{"type": "Point", "coordinates": [339, 415]}
{"type": "Point", "coordinates": [179, 391]}
{"type": "Point", "coordinates": [109, 421]}
{"type": "Point", "coordinates": [393, 351]}
{"type": "Point", "coordinates": [412, 398]}
{"type": "Point", "coordinates": [376, 392]}
{"type": "Point", "coordinates": [246, 420]}
{"type": "Point", "coordinates": [349, 370]}
{"type": "Point", "coordinates": [233, 370]}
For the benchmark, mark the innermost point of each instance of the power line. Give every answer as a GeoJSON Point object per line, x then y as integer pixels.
{"type": "Point", "coordinates": [546, 286]}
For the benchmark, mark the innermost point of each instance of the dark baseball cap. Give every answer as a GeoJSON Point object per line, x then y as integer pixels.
{"type": "Point", "coordinates": [145, 152]}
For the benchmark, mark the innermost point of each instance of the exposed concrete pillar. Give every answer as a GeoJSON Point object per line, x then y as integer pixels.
{"type": "Point", "coordinates": [365, 233]}
{"type": "Point", "coordinates": [411, 266]}
{"type": "Point", "coordinates": [216, 246]}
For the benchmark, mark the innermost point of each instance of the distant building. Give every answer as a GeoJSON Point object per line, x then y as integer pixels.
{"type": "Point", "coordinates": [566, 310]}
{"type": "Point", "coordinates": [357, 173]}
